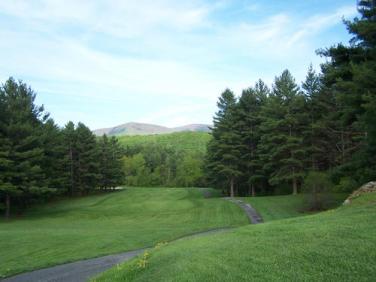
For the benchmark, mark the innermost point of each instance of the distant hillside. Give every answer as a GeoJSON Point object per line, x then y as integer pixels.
{"type": "Point", "coordinates": [134, 128]}
{"type": "Point", "coordinates": [184, 141]}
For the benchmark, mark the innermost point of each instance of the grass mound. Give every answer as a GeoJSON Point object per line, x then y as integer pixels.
{"type": "Point", "coordinates": [287, 206]}
{"type": "Point", "coordinates": [81, 228]}
{"type": "Point", "coordinates": [337, 245]}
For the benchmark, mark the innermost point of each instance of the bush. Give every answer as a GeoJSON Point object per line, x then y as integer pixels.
{"type": "Point", "coordinates": [317, 187]}
{"type": "Point", "coordinates": [346, 184]}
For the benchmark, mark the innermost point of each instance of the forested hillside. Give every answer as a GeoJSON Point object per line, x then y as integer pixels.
{"type": "Point", "coordinates": [318, 135]}
{"type": "Point", "coordinates": [174, 159]}
{"type": "Point", "coordinates": [137, 128]}
{"type": "Point", "coordinates": [182, 141]}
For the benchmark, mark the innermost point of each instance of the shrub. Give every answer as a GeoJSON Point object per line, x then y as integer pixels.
{"type": "Point", "coordinates": [317, 186]}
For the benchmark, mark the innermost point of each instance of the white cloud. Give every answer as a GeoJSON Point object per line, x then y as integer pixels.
{"type": "Point", "coordinates": [317, 23]}
{"type": "Point", "coordinates": [123, 18]}
{"type": "Point", "coordinates": [188, 65]}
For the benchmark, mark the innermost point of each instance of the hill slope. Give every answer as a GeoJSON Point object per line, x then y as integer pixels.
{"type": "Point", "coordinates": [134, 128]}
{"type": "Point", "coordinates": [338, 245]}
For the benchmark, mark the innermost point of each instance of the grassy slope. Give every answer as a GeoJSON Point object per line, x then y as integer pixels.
{"type": "Point", "coordinates": [338, 245]}
{"type": "Point", "coordinates": [186, 141]}
{"type": "Point", "coordinates": [280, 207]}
{"type": "Point", "coordinates": [98, 225]}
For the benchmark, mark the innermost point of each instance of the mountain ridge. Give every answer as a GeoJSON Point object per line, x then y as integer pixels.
{"type": "Point", "coordinates": [138, 128]}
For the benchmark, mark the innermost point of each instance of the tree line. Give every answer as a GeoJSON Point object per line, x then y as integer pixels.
{"type": "Point", "coordinates": [271, 139]}
{"type": "Point", "coordinates": [155, 164]}
{"type": "Point", "coordinates": [38, 159]}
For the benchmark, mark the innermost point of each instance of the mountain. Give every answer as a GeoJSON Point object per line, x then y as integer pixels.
{"type": "Point", "coordinates": [135, 128]}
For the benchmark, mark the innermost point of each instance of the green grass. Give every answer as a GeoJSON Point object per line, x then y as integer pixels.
{"type": "Point", "coordinates": [337, 245]}
{"type": "Point", "coordinates": [182, 141]}
{"type": "Point", "coordinates": [70, 230]}
{"type": "Point", "coordinates": [280, 207]}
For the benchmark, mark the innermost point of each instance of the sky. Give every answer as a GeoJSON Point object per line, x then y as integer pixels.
{"type": "Point", "coordinates": [108, 62]}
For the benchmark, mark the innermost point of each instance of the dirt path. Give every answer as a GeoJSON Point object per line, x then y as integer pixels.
{"type": "Point", "coordinates": [81, 271]}
{"type": "Point", "coordinates": [252, 214]}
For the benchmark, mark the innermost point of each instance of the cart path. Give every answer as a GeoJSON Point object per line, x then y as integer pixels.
{"type": "Point", "coordinates": [81, 271]}
{"type": "Point", "coordinates": [253, 215]}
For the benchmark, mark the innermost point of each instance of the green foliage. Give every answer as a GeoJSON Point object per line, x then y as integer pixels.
{"type": "Point", "coordinates": [173, 160]}
{"type": "Point", "coordinates": [21, 153]}
{"type": "Point", "coordinates": [346, 184]}
{"type": "Point", "coordinates": [268, 141]}
{"type": "Point", "coordinates": [281, 145]}
{"type": "Point", "coordinates": [317, 186]}
{"type": "Point", "coordinates": [258, 138]}
{"type": "Point", "coordinates": [86, 227]}
{"type": "Point", "coordinates": [190, 142]}
{"type": "Point", "coordinates": [351, 74]}
{"type": "Point", "coordinates": [224, 148]}
{"type": "Point", "coordinates": [38, 159]}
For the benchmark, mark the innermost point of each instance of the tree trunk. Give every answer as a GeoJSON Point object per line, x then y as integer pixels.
{"type": "Point", "coordinates": [294, 186]}
{"type": "Point", "coordinates": [232, 194]}
{"type": "Point", "coordinates": [7, 206]}
{"type": "Point", "coordinates": [253, 190]}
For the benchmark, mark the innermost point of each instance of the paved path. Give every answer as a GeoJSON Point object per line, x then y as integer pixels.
{"type": "Point", "coordinates": [252, 214]}
{"type": "Point", "coordinates": [82, 271]}
{"type": "Point", "coordinates": [75, 271]}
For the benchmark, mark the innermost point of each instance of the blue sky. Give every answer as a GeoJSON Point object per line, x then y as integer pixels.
{"type": "Point", "coordinates": [159, 61]}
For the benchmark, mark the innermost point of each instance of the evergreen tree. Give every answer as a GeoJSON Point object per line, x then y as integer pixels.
{"type": "Point", "coordinates": [248, 123]}
{"type": "Point", "coordinates": [281, 144]}
{"type": "Point", "coordinates": [21, 149]}
{"type": "Point", "coordinates": [224, 150]}
{"type": "Point", "coordinates": [70, 158]}
{"type": "Point", "coordinates": [7, 189]}
{"type": "Point", "coordinates": [350, 75]}
{"type": "Point", "coordinates": [312, 136]}
{"type": "Point", "coordinates": [53, 162]}
{"type": "Point", "coordinates": [87, 169]}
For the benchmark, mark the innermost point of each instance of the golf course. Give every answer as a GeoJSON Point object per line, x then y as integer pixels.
{"type": "Point", "coordinates": [188, 141]}
{"type": "Point", "coordinates": [70, 230]}
{"type": "Point", "coordinates": [337, 245]}
{"type": "Point", "coordinates": [289, 245]}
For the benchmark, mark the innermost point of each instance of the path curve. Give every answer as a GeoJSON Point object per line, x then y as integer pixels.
{"type": "Point", "coordinates": [82, 271]}
{"type": "Point", "coordinates": [253, 216]}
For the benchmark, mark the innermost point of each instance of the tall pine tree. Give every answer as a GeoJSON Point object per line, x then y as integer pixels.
{"type": "Point", "coordinates": [281, 145]}
{"type": "Point", "coordinates": [224, 149]}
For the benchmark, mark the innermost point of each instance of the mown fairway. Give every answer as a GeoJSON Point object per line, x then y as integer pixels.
{"type": "Point", "coordinates": [280, 207]}
{"type": "Point", "coordinates": [338, 245]}
{"type": "Point", "coordinates": [93, 226]}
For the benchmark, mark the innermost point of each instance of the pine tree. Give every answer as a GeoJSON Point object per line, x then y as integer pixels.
{"type": "Point", "coordinates": [350, 74]}
{"type": "Point", "coordinates": [70, 158]}
{"type": "Point", "coordinates": [248, 123]}
{"type": "Point", "coordinates": [312, 87]}
{"type": "Point", "coordinates": [21, 150]}
{"type": "Point", "coordinates": [224, 150]}
{"type": "Point", "coordinates": [53, 162]}
{"type": "Point", "coordinates": [110, 164]}
{"type": "Point", "coordinates": [87, 169]}
{"type": "Point", "coordinates": [7, 189]}
{"type": "Point", "coordinates": [281, 146]}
